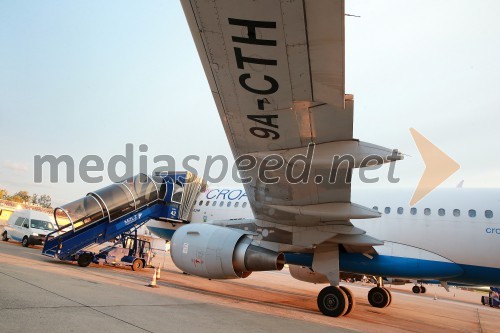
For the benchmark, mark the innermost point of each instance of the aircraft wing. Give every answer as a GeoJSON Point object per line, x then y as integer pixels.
{"type": "Point", "coordinates": [276, 72]}
{"type": "Point", "coordinates": [278, 81]}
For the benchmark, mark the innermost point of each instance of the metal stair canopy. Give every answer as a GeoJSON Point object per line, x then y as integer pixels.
{"type": "Point", "coordinates": [109, 212]}
{"type": "Point", "coordinates": [111, 202]}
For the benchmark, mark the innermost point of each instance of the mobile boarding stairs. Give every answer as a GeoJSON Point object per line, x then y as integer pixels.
{"type": "Point", "coordinates": [119, 209]}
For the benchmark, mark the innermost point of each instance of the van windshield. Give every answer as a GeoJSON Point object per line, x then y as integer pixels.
{"type": "Point", "coordinates": [43, 225]}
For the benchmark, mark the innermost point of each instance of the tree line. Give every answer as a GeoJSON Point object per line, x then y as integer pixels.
{"type": "Point", "coordinates": [24, 197]}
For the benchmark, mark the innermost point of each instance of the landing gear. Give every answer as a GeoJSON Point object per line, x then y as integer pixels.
{"type": "Point", "coordinates": [350, 299]}
{"type": "Point", "coordinates": [390, 296]}
{"type": "Point", "coordinates": [333, 301]}
{"type": "Point", "coordinates": [419, 289]}
{"type": "Point", "coordinates": [379, 297]}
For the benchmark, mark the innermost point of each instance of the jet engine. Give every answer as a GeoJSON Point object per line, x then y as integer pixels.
{"type": "Point", "coordinates": [220, 253]}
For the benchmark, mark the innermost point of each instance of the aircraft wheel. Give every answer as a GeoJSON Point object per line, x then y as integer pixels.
{"type": "Point", "coordinates": [332, 301]}
{"type": "Point", "coordinates": [423, 290]}
{"type": "Point", "coordinates": [25, 242]}
{"type": "Point", "coordinates": [350, 299]}
{"type": "Point", "coordinates": [416, 289]}
{"type": "Point", "coordinates": [390, 296]}
{"type": "Point", "coordinates": [137, 265]}
{"type": "Point", "coordinates": [5, 238]}
{"type": "Point", "coordinates": [85, 259]}
{"type": "Point", "coordinates": [379, 297]}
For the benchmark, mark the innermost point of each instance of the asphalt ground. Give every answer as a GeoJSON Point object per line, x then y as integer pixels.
{"type": "Point", "coordinates": [39, 294]}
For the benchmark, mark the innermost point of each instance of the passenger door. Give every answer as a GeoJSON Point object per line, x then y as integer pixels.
{"type": "Point", "coordinates": [15, 228]}
{"type": "Point", "coordinates": [25, 229]}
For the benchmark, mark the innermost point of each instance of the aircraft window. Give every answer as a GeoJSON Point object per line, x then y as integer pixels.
{"type": "Point", "coordinates": [236, 204]}
{"type": "Point", "coordinates": [207, 203]}
{"type": "Point", "coordinates": [201, 202]}
{"type": "Point", "coordinates": [214, 204]}
{"type": "Point", "coordinates": [387, 210]}
{"type": "Point", "coordinates": [244, 205]}
{"type": "Point", "coordinates": [221, 204]}
{"type": "Point", "coordinates": [400, 210]}
{"type": "Point", "coordinates": [456, 212]}
{"type": "Point", "coordinates": [229, 203]}
{"type": "Point", "coordinates": [472, 213]}
{"type": "Point", "coordinates": [375, 208]}
{"type": "Point", "coordinates": [427, 211]}
{"type": "Point", "coordinates": [488, 214]}
{"type": "Point", "coordinates": [441, 212]}
{"type": "Point", "coordinates": [413, 211]}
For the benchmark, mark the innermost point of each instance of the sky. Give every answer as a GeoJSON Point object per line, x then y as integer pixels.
{"type": "Point", "coordinates": [87, 77]}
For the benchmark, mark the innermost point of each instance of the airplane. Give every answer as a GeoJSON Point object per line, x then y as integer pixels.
{"type": "Point", "coordinates": [450, 237]}
{"type": "Point", "coordinates": [276, 70]}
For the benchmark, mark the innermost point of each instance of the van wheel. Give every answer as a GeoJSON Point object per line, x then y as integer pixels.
{"type": "Point", "coordinates": [26, 242]}
{"type": "Point", "coordinates": [5, 238]}
{"type": "Point", "coordinates": [137, 265]}
{"type": "Point", "coordinates": [85, 259]}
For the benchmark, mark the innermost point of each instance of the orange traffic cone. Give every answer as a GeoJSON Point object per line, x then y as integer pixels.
{"type": "Point", "coordinates": [158, 273]}
{"type": "Point", "coordinates": [152, 284]}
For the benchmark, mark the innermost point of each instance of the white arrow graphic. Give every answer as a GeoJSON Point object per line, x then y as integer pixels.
{"type": "Point", "coordinates": [438, 167]}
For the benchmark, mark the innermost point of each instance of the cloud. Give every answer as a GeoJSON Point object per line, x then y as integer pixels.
{"type": "Point", "coordinates": [15, 166]}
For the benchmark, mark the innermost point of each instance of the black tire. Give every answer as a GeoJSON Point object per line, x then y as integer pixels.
{"type": "Point", "coordinates": [25, 242]}
{"type": "Point", "coordinates": [332, 301]}
{"type": "Point", "coordinates": [390, 296]}
{"type": "Point", "coordinates": [5, 237]}
{"type": "Point", "coordinates": [379, 297]}
{"type": "Point", "coordinates": [137, 265]}
{"type": "Point", "coordinates": [416, 289]}
{"type": "Point", "coordinates": [85, 259]}
{"type": "Point", "coordinates": [350, 299]}
{"type": "Point", "coordinates": [423, 290]}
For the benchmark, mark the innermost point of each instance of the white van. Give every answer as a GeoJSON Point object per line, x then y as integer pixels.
{"type": "Point", "coordinates": [28, 227]}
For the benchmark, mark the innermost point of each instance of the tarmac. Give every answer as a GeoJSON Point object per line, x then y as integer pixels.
{"type": "Point", "coordinates": [41, 294]}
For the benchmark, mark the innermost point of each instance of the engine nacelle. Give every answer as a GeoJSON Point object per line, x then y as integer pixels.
{"type": "Point", "coordinates": [220, 253]}
{"type": "Point", "coordinates": [306, 274]}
